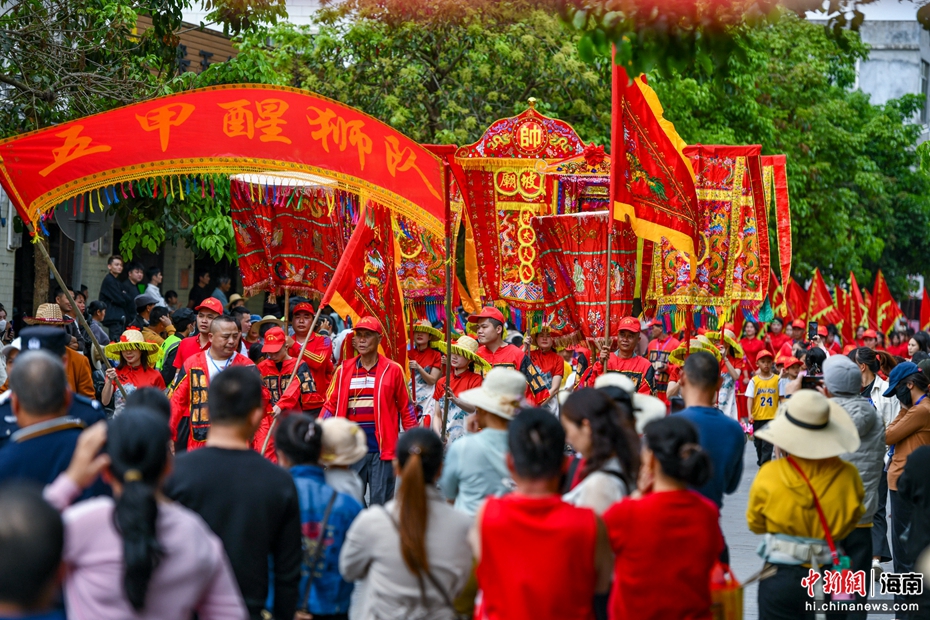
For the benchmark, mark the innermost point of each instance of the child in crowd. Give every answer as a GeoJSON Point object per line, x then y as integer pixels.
{"type": "Point", "coordinates": [762, 400]}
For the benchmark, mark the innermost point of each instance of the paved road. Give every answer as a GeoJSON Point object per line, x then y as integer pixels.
{"type": "Point", "coordinates": [743, 543]}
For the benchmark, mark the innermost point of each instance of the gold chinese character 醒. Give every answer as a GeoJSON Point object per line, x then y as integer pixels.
{"type": "Point", "coordinates": [75, 146]}
{"type": "Point", "coordinates": [238, 121]}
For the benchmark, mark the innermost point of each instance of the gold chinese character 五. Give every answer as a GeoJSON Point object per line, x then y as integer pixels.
{"type": "Point", "coordinates": [344, 133]}
{"type": "Point", "coordinates": [164, 118]}
{"type": "Point", "coordinates": [402, 160]}
{"type": "Point", "coordinates": [74, 147]}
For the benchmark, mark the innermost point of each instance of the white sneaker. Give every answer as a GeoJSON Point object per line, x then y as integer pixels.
{"type": "Point", "coordinates": [876, 570]}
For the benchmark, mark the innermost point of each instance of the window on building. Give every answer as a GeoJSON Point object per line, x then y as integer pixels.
{"type": "Point", "coordinates": [924, 89]}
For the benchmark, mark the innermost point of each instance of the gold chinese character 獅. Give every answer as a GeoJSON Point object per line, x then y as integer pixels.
{"type": "Point", "coordinates": [403, 160]}
{"type": "Point", "coordinates": [164, 118]}
{"type": "Point", "coordinates": [344, 133]}
{"type": "Point", "coordinates": [75, 146]}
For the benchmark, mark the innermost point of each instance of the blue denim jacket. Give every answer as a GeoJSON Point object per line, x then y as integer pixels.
{"type": "Point", "coordinates": [329, 594]}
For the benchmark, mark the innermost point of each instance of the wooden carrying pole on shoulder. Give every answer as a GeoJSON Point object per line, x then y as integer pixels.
{"type": "Point", "coordinates": [80, 317]}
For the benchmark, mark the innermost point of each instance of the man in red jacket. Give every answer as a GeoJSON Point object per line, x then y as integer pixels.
{"type": "Point", "coordinates": [625, 360]}
{"type": "Point", "coordinates": [206, 312]}
{"type": "Point", "coordinates": [318, 354]}
{"type": "Point", "coordinates": [371, 391]}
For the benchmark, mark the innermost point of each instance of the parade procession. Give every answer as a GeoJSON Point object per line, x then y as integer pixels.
{"type": "Point", "coordinates": [492, 310]}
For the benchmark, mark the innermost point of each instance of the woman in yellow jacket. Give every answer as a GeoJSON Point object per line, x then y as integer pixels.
{"type": "Point", "coordinates": [813, 431]}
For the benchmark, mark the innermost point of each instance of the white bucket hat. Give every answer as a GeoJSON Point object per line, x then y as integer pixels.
{"type": "Point", "coordinates": [645, 408]}
{"type": "Point", "coordinates": [344, 443]}
{"type": "Point", "coordinates": [812, 427]}
{"type": "Point", "coordinates": [501, 393]}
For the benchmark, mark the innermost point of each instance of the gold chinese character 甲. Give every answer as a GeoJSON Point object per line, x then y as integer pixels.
{"type": "Point", "coordinates": [164, 118]}
{"type": "Point", "coordinates": [75, 146]}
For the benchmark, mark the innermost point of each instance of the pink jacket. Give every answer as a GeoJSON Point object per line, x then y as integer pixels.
{"type": "Point", "coordinates": [392, 402]}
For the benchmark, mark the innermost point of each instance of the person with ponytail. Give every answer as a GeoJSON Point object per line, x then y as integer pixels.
{"type": "Point", "coordinates": [299, 444]}
{"type": "Point", "coordinates": [137, 554]}
{"type": "Point", "coordinates": [665, 537]}
{"type": "Point", "coordinates": [413, 552]}
{"type": "Point", "coordinates": [610, 449]}
{"type": "Point", "coordinates": [539, 556]}
{"type": "Point", "coordinates": [909, 431]}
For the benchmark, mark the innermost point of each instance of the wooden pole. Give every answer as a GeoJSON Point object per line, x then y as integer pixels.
{"type": "Point", "coordinates": [287, 295]}
{"type": "Point", "coordinates": [300, 356]}
{"type": "Point", "coordinates": [449, 262]}
{"type": "Point", "coordinates": [80, 317]}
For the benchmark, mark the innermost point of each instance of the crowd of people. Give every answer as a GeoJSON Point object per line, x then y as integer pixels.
{"type": "Point", "coordinates": [214, 462]}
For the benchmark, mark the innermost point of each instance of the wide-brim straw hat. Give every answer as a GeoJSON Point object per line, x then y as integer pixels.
{"type": "Point", "coordinates": [233, 299]}
{"type": "Point", "coordinates": [811, 426]}
{"type": "Point", "coordinates": [48, 314]}
{"type": "Point", "coordinates": [269, 318]}
{"type": "Point", "coordinates": [467, 347]}
{"type": "Point", "coordinates": [700, 343]}
{"type": "Point", "coordinates": [344, 442]}
{"type": "Point", "coordinates": [132, 340]}
{"type": "Point", "coordinates": [646, 408]}
{"type": "Point", "coordinates": [543, 329]}
{"type": "Point", "coordinates": [730, 338]}
{"type": "Point", "coordinates": [501, 393]}
{"type": "Point", "coordinates": [423, 326]}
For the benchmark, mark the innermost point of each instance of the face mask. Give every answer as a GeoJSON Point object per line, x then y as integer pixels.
{"type": "Point", "coordinates": [2, 324]}
{"type": "Point", "coordinates": [904, 395]}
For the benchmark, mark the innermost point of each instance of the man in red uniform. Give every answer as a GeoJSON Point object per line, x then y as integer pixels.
{"type": "Point", "coordinates": [371, 391]}
{"type": "Point", "coordinates": [489, 329]}
{"type": "Point", "coordinates": [658, 351]}
{"type": "Point", "coordinates": [276, 370]}
{"type": "Point", "coordinates": [549, 363]}
{"type": "Point", "coordinates": [870, 339]}
{"type": "Point", "coordinates": [318, 355]}
{"type": "Point", "coordinates": [795, 347]}
{"type": "Point", "coordinates": [190, 419]}
{"type": "Point", "coordinates": [625, 360]}
{"type": "Point", "coordinates": [207, 311]}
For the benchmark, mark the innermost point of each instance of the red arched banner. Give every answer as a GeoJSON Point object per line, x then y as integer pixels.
{"type": "Point", "coordinates": [224, 129]}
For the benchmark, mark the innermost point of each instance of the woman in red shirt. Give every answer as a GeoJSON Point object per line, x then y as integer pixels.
{"type": "Point", "coordinates": [464, 360]}
{"type": "Point", "coordinates": [751, 346]}
{"type": "Point", "coordinates": [776, 337]}
{"type": "Point", "coordinates": [136, 370]}
{"type": "Point", "coordinates": [549, 363]}
{"type": "Point", "coordinates": [665, 538]}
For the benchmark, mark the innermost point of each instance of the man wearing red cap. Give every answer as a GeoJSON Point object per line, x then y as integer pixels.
{"type": "Point", "coordinates": [276, 370]}
{"type": "Point", "coordinates": [870, 339]}
{"type": "Point", "coordinates": [371, 391]}
{"type": "Point", "coordinates": [796, 346]}
{"type": "Point", "coordinates": [660, 347]}
{"type": "Point", "coordinates": [318, 355]}
{"type": "Point", "coordinates": [489, 329]}
{"type": "Point", "coordinates": [207, 311]}
{"type": "Point", "coordinates": [190, 418]}
{"type": "Point", "coordinates": [625, 360]}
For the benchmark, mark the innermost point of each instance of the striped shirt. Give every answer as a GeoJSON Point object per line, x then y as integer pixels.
{"type": "Point", "coordinates": [361, 405]}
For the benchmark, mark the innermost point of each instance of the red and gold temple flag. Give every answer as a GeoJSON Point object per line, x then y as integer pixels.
{"type": "Point", "coordinates": [845, 325]}
{"type": "Point", "coordinates": [820, 305]}
{"type": "Point", "coordinates": [777, 295]}
{"type": "Point", "coordinates": [884, 310]}
{"type": "Point", "coordinates": [365, 282]}
{"type": "Point", "coordinates": [775, 176]}
{"type": "Point", "coordinates": [796, 300]}
{"type": "Point", "coordinates": [652, 183]}
{"type": "Point", "coordinates": [858, 305]}
{"type": "Point", "coordinates": [925, 312]}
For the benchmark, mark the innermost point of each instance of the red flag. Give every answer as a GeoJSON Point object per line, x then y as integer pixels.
{"type": "Point", "coordinates": [365, 281]}
{"type": "Point", "coordinates": [846, 327]}
{"type": "Point", "coordinates": [858, 305]}
{"type": "Point", "coordinates": [777, 295]}
{"type": "Point", "coordinates": [775, 177]}
{"type": "Point", "coordinates": [884, 310]}
{"type": "Point", "coordinates": [651, 180]}
{"type": "Point", "coordinates": [820, 306]}
{"type": "Point", "coordinates": [796, 301]}
{"type": "Point", "coordinates": [925, 312]}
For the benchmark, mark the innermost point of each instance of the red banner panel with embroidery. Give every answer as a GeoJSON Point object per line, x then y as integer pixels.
{"type": "Point", "coordinates": [289, 238]}
{"type": "Point", "coordinates": [224, 129]}
{"type": "Point", "coordinates": [573, 265]}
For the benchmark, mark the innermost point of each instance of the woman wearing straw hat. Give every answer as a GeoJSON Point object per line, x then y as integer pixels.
{"type": "Point", "coordinates": [425, 364]}
{"type": "Point", "coordinates": [731, 369]}
{"type": "Point", "coordinates": [676, 360]}
{"type": "Point", "coordinates": [465, 361]}
{"type": "Point", "coordinates": [136, 367]}
{"type": "Point", "coordinates": [550, 364]}
{"type": "Point", "coordinates": [804, 502]}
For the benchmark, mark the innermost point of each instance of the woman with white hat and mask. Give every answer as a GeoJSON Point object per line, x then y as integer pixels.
{"type": "Point", "coordinates": [804, 502]}
{"type": "Point", "coordinates": [475, 465]}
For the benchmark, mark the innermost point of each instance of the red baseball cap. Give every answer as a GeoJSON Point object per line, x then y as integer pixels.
{"type": "Point", "coordinates": [822, 331]}
{"type": "Point", "coordinates": [764, 353]}
{"type": "Point", "coordinates": [656, 323]}
{"type": "Point", "coordinates": [304, 306]}
{"type": "Point", "coordinates": [629, 324]}
{"type": "Point", "coordinates": [488, 312]}
{"type": "Point", "coordinates": [274, 340]}
{"type": "Point", "coordinates": [798, 323]}
{"type": "Point", "coordinates": [212, 304]}
{"type": "Point", "coordinates": [371, 324]}
{"type": "Point", "coordinates": [869, 333]}
{"type": "Point", "coordinates": [791, 361]}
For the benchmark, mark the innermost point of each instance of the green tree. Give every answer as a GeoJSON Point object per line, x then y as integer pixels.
{"type": "Point", "coordinates": [858, 200]}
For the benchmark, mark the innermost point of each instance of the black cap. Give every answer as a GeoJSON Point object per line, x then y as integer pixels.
{"type": "Point", "coordinates": [183, 314]}
{"type": "Point", "coordinates": [52, 339]}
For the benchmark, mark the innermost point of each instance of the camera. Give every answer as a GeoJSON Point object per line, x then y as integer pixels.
{"type": "Point", "coordinates": [811, 382]}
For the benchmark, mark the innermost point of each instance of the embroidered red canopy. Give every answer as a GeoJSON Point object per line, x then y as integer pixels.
{"type": "Point", "coordinates": [224, 129]}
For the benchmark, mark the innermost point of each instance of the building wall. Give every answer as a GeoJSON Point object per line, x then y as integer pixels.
{"type": "Point", "coordinates": [299, 12]}
{"type": "Point", "coordinates": [893, 67]}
